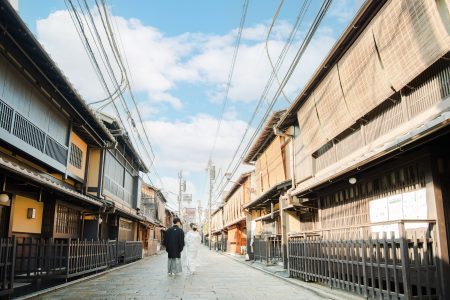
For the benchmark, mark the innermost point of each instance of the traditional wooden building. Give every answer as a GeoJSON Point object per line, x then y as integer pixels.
{"type": "Point", "coordinates": [218, 238]}
{"type": "Point", "coordinates": [234, 216]}
{"type": "Point", "coordinates": [271, 156]}
{"type": "Point", "coordinates": [371, 156]}
{"type": "Point", "coordinates": [153, 210]}
{"type": "Point", "coordinates": [46, 130]}
{"type": "Point", "coordinates": [119, 184]}
{"type": "Point", "coordinates": [48, 140]}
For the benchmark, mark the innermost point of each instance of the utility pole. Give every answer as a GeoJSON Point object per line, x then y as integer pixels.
{"type": "Point", "coordinates": [211, 174]}
{"type": "Point", "coordinates": [181, 188]}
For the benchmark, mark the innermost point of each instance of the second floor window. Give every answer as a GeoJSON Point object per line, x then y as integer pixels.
{"type": "Point", "coordinates": [76, 156]}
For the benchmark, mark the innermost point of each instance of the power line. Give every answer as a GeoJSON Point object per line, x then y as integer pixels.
{"type": "Point", "coordinates": [106, 62]}
{"type": "Point", "coordinates": [319, 17]}
{"type": "Point", "coordinates": [109, 29]}
{"type": "Point", "coordinates": [288, 44]}
{"type": "Point", "coordinates": [266, 88]}
{"type": "Point", "coordinates": [230, 74]}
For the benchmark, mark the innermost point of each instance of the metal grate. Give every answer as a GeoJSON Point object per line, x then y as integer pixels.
{"type": "Point", "coordinates": [76, 156]}
{"type": "Point", "coordinates": [56, 151]}
{"type": "Point", "coordinates": [6, 115]}
{"type": "Point", "coordinates": [28, 132]}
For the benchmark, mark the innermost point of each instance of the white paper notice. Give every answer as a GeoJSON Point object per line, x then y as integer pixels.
{"type": "Point", "coordinates": [378, 210]}
{"type": "Point", "coordinates": [409, 205]}
{"type": "Point", "coordinates": [406, 206]}
{"type": "Point", "coordinates": [395, 207]}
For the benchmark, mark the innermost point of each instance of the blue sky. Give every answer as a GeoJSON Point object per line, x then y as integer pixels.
{"type": "Point", "coordinates": [179, 55]}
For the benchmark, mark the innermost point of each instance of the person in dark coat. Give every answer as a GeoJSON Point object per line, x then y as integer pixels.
{"type": "Point", "coordinates": [174, 243]}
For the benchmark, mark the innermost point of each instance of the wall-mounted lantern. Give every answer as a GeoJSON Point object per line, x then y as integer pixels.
{"type": "Point", "coordinates": [4, 197]}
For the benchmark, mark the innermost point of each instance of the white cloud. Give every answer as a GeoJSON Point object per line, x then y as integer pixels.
{"type": "Point", "coordinates": [187, 145]}
{"type": "Point", "coordinates": [158, 63]}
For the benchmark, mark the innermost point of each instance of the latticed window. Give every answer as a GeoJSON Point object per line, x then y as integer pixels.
{"type": "Point", "coordinates": [67, 220]}
{"type": "Point", "coordinates": [76, 156]}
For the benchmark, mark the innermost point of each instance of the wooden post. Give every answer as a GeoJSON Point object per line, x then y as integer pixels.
{"type": "Point", "coordinates": [440, 191]}
{"type": "Point", "coordinates": [68, 259]}
{"type": "Point", "coordinates": [364, 261]}
{"type": "Point", "coordinates": [405, 260]}
{"type": "Point", "coordinates": [13, 262]}
{"type": "Point", "coordinates": [284, 253]}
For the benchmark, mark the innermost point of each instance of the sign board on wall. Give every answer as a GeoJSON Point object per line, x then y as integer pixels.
{"type": "Point", "coordinates": [187, 197]}
{"type": "Point", "coordinates": [406, 206]}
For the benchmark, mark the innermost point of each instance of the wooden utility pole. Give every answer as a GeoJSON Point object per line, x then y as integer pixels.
{"type": "Point", "coordinates": [211, 175]}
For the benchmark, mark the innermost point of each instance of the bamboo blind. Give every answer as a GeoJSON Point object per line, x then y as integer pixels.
{"type": "Point", "coordinates": [264, 173]}
{"type": "Point", "coordinates": [232, 209]}
{"type": "Point", "coordinates": [404, 39]}
{"type": "Point", "coordinates": [275, 164]}
{"type": "Point", "coordinates": [258, 177]}
{"type": "Point", "coordinates": [331, 107]}
{"type": "Point", "coordinates": [217, 221]}
{"type": "Point", "coordinates": [410, 36]}
{"type": "Point", "coordinates": [308, 120]}
{"type": "Point", "coordinates": [363, 82]}
{"type": "Point", "coordinates": [303, 160]}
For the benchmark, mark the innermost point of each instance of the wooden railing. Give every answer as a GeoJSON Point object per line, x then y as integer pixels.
{"type": "Point", "coordinates": [40, 257]}
{"type": "Point", "coordinates": [133, 251]}
{"type": "Point", "coordinates": [86, 257]}
{"type": "Point", "coordinates": [68, 258]}
{"type": "Point", "coordinates": [112, 253]}
{"type": "Point", "coordinates": [401, 265]}
{"type": "Point", "coordinates": [7, 251]}
{"type": "Point", "coordinates": [267, 249]}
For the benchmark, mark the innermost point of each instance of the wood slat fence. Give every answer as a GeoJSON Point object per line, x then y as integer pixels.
{"type": "Point", "coordinates": [113, 253]}
{"type": "Point", "coordinates": [86, 257]}
{"type": "Point", "coordinates": [267, 249]}
{"type": "Point", "coordinates": [7, 250]}
{"type": "Point", "coordinates": [66, 258]}
{"type": "Point", "coordinates": [401, 266]}
{"type": "Point", "coordinates": [133, 251]}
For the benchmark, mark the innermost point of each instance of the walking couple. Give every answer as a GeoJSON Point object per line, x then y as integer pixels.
{"type": "Point", "coordinates": [175, 241]}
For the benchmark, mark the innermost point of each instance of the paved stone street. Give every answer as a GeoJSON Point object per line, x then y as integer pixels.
{"type": "Point", "coordinates": [218, 277]}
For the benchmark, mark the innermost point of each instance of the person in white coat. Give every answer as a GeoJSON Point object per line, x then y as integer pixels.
{"type": "Point", "coordinates": [192, 242]}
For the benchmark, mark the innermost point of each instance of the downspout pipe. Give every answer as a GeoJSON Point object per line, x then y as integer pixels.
{"type": "Point", "coordinates": [285, 198]}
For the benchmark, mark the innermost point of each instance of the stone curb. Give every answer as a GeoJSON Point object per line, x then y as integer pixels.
{"type": "Point", "coordinates": [322, 291]}
{"type": "Point", "coordinates": [82, 279]}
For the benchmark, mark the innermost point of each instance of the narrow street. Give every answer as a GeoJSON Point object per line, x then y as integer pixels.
{"type": "Point", "coordinates": [218, 277]}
